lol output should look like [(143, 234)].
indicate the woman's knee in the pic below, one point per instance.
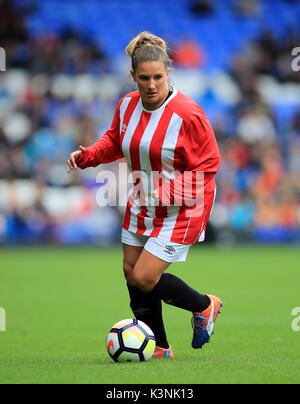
[(143, 281), (134, 277), (148, 271), (128, 272), (130, 258)]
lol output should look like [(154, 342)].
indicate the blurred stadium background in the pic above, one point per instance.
[(66, 70)]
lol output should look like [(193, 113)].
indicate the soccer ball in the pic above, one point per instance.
[(130, 341)]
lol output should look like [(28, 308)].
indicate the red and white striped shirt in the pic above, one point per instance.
[(177, 137)]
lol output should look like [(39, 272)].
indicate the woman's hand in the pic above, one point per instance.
[(73, 157)]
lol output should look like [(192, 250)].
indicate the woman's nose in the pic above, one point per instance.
[(151, 85)]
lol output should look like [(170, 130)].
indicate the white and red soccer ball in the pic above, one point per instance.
[(130, 341)]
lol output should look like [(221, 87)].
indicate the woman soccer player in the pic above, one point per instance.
[(160, 130)]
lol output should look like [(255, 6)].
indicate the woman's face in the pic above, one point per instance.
[(152, 82)]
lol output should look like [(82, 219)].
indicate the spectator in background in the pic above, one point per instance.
[(272, 171), (11, 23), (268, 55), (248, 8), (188, 54), (28, 222), (202, 7), (296, 125), (256, 126), (68, 53)]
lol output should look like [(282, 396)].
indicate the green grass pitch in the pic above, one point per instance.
[(60, 304)]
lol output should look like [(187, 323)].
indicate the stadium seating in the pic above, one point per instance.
[(57, 207), (221, 33)]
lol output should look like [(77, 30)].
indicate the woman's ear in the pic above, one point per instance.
[(168, 72), (132, 75)]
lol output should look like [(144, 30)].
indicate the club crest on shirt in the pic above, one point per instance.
[(124, 128)]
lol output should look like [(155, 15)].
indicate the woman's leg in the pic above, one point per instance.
[(149, 275), (145, 307)]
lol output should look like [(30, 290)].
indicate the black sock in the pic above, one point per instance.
[(175, 292), (148, 308)]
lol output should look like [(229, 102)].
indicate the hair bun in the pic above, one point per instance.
[(147, 47), (145, 39)]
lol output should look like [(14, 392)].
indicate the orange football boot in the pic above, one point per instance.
[(203, 323), (163, 352)]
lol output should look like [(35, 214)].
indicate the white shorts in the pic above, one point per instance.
[(165, 250)]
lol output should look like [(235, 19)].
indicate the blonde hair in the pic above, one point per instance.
[(147, 47)]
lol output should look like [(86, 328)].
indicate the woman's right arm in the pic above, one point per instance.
[(72, 162), (106, 150)]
